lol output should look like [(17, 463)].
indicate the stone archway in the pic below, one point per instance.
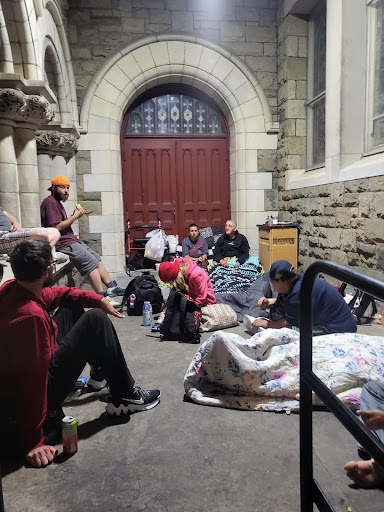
[(174, 58)]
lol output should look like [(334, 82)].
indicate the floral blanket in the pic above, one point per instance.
[(262, 372)]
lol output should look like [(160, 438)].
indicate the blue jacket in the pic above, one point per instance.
[(329, 308)]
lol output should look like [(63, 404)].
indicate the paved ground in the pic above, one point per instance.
[(182, 457)]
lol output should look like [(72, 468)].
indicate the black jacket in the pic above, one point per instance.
[(227, 247)]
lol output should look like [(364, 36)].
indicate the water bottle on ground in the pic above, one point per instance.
[(147, 314)]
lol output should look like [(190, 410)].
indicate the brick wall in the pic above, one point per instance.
[(342, 222), (247, 28)]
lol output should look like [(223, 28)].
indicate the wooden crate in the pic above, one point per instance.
[(277, 243)]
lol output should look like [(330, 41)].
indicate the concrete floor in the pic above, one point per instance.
[(183, 457)]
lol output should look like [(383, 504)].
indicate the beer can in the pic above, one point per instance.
[(70, 440)]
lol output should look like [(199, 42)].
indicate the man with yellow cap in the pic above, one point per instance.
[(85, 259)]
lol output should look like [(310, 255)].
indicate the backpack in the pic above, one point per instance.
[(360, 303), (143, 288), (182, 320)]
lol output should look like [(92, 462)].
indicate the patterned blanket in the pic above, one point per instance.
[(234, 280), (262, 372)]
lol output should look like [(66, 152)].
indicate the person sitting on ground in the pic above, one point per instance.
[(187, 277), (195, 247), (85, 259), (368, 473), (330, 312), (36, 374), (11, 234), (263, 288), (231, 245)]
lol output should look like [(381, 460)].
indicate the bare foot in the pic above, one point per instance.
[(365, 473)]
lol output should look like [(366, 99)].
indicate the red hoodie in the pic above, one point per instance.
[(27, 344)]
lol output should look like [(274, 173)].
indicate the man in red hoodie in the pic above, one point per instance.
[(36, 373)]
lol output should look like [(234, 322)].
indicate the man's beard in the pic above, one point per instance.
[(60, 197)]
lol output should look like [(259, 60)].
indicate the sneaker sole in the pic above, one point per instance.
[(125, 409)]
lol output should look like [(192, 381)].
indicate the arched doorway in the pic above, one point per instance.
[(175, 160)]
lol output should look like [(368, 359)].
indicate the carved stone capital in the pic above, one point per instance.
[(26, 108), (53, 142)]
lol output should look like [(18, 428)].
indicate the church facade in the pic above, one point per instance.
[(257, 106)]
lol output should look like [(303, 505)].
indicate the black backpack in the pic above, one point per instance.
[(359, 304), (144, 288), (182, 320)]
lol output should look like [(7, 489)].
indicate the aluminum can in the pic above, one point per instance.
[(69, 430)]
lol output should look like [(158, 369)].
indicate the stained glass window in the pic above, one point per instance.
[(316, 90), (174, 114), (377, 78)]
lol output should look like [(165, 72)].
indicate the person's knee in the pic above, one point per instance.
[(50, 235), (95, 314), (373, 388)]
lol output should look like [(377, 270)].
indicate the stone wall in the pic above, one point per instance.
[(247, 28), (342, 222)]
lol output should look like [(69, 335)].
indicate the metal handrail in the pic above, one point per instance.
[(310, 491)]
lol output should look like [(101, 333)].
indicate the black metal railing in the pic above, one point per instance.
[(310, 491)]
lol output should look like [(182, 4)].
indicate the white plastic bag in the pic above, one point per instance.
[(173, 241), (154, 248), (151, 233)]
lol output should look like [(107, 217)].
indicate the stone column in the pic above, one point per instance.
[(9, 184), (25, 146), (20, 116)]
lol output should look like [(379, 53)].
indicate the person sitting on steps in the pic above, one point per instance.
[(37, 373), (85, 259)]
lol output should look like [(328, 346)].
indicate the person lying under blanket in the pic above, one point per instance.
[(330, 312)]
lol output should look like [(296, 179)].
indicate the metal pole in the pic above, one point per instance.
[(306, 427)]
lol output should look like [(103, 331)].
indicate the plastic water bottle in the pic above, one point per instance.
[(132, 298), (147, 314)]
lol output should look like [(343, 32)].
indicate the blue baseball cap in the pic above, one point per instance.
[(282, 269)]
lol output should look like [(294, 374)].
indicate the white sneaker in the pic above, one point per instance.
[(59, 257), (113, 302), (248, 321), (96, 385)]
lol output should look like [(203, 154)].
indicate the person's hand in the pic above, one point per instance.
[(263, 303), (373, 419), (42, 456), (203, 257), (15, 226), (78, 212), (237, 264), (109, 309), (224, 263), (260, 322)]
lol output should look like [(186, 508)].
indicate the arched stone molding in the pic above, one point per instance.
[(6, 59), (175, 58), (51, 24), (20, 19), (59, 80)]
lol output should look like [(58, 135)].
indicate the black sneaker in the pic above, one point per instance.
[(138, 400)]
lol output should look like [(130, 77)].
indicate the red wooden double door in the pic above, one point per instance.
[(179, 180)]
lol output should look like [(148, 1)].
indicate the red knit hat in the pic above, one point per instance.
[(168, 271)]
